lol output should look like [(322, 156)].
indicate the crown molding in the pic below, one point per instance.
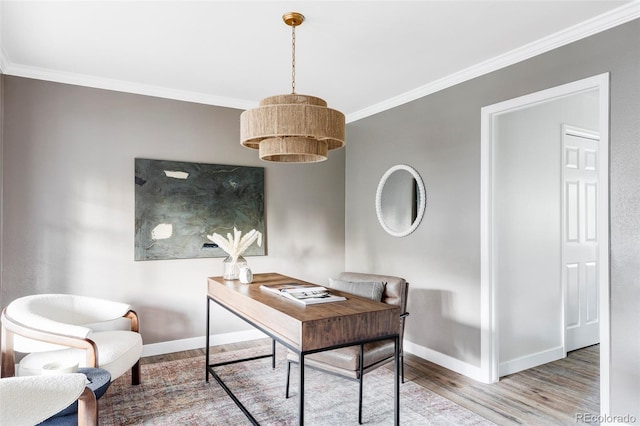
[(592, 26), (600, 23), (125, 86)]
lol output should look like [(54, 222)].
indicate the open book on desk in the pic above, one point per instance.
[(306, 294)]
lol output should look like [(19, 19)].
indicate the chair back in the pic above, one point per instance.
[(395, 292), (61, 314), (43, 310)]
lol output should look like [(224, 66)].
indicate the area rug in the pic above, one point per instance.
[(176, 393)]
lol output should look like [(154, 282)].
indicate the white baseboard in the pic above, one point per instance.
[(530, 361), (200, 342), (446, 361)]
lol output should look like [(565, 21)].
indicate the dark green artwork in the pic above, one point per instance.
[(178, 204)]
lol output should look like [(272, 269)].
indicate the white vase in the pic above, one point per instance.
[(231, 269), (246, 276)]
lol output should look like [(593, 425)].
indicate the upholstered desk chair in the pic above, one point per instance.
[(31, 400), (64, 327), (346, 361)]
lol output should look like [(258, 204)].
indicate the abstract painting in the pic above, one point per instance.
[(177, 204)]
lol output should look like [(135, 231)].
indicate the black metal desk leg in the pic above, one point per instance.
[(206, 365), (396, 381), (273, 352), (301, 390)]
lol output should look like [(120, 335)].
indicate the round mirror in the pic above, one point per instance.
[(400, 200)]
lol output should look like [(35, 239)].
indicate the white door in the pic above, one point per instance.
[(580, 243)]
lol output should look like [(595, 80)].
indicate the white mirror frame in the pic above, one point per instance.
[(422, 200)]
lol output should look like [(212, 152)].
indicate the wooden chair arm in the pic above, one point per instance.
[(135, 321), (49, 337), (11, 328)]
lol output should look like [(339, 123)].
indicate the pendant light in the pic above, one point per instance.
[(292, 128)]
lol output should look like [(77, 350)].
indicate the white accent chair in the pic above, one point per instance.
[(30, 400), (65, 327)]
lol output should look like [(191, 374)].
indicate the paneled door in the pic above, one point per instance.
[(580, 242)]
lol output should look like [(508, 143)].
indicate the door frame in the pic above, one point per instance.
[(489, 339)]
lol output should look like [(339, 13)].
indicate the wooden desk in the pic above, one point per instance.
[(304, 329)]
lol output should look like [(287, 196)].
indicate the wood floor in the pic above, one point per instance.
[(552, 394)]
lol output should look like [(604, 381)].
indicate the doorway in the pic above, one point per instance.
[(524, 312)]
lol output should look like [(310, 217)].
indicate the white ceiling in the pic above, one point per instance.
[(360, 56)]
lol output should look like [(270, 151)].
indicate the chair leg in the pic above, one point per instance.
[(361, 374), (8, 366), (360, 402), (135, 374), (286, 388), (402, 366), (87, 408)]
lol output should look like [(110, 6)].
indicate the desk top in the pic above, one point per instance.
[(305, 328)]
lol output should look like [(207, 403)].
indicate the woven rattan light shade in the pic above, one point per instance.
[(292, 128)]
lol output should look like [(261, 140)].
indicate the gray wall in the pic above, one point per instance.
[(68, 212), (439, 135)]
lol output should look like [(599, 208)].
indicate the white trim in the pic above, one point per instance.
[(125, 86), (445, 361), (200, 342), (605, 319), (532, 360), (488, 325), (546, 95), (489, 308), (568, 129), (613, 18)]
